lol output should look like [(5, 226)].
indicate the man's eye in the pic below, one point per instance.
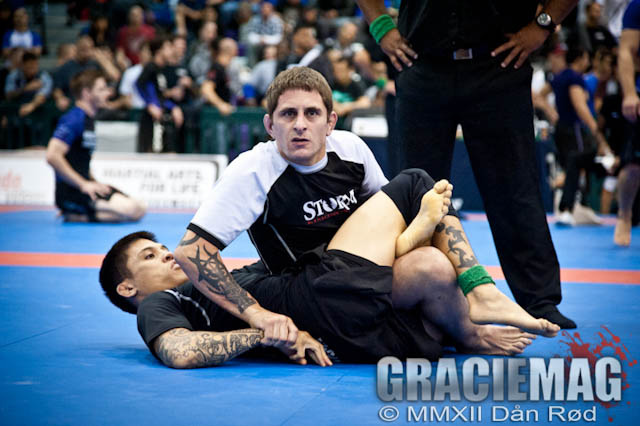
[(289, 113), (312, 113), (149, 256)]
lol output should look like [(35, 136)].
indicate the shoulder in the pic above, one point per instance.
[(74, 117), (70, 125), (347, 145), (36, 38), (263, 162)]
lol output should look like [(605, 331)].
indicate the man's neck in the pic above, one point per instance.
[(576, 68), (86, 107)]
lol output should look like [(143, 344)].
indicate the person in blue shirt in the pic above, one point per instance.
[(21, 35), (629, 178), (577, 136), (79, 196)]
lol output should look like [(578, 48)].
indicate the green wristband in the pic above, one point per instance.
[(381, 26), (473, 277)]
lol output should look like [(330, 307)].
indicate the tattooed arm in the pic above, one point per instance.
[(201, 261), (449, 237), (182, 348)]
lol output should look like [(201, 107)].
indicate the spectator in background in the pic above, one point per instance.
[(127, 88), (349, 46), (348, 88), (592, 34), (21, 35), (335, 8), (263, 29), (215, 89), (179, 83), (200, 57), (131, 37), (263, 73), (65, 53), (291, 11), (6, 21), (307, 51), (152, 86), (161, 15), (28, 85), (598, 78), (100, 32), (189, 15), (87, 57), (378, 91), (14, 62), (577, 145)]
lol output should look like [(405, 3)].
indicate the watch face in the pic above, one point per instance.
[(544, 19)]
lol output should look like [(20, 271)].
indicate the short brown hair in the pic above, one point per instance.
[(301, 78), (84, 80)]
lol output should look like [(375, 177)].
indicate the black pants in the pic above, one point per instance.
[(493, 106), (576, 152)]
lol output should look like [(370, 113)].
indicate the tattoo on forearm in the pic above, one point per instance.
[(188, 349), (454, 237), (218, 280), (184, 242)]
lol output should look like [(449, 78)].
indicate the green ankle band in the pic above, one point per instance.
[(473, 277), (381, 26)]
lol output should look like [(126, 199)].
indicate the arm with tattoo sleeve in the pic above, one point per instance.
[(201, 261), (182, 348)]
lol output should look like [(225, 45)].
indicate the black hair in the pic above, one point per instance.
[(156, 44), (28, 56), (114, 269), (575, 53)]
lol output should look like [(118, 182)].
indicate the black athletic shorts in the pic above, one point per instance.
[(344, 301), (71, 201)]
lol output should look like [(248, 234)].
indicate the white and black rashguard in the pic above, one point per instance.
[(288, 209)]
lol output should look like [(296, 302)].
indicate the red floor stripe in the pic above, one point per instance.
[(73, 260)]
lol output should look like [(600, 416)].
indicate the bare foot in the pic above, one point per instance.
[(433, 206), (622, 234), (489, 305), (497, 340)]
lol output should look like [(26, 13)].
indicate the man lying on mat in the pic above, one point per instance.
[(293, 193), (343, 294)]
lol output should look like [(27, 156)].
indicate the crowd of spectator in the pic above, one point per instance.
[(216, 53), (577, 92), (170, 58)]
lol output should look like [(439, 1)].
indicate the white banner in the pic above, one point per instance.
[(26, 180), (161, 180)]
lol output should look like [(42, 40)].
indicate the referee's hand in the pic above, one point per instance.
[(398, 49)]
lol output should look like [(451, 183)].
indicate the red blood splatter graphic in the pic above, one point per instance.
[(580, 349)]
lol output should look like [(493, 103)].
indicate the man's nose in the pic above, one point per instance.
[(300, 124), (168, 256)]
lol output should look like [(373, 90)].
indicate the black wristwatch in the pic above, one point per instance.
[(545, 22)]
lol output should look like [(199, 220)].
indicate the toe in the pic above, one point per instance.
[(441, 186)]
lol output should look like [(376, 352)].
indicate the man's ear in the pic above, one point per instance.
[(268, 124), (126, 289), (332, 120)]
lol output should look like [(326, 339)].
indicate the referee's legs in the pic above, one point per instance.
[(499, 137)]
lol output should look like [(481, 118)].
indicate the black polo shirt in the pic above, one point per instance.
[(440, 26)]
